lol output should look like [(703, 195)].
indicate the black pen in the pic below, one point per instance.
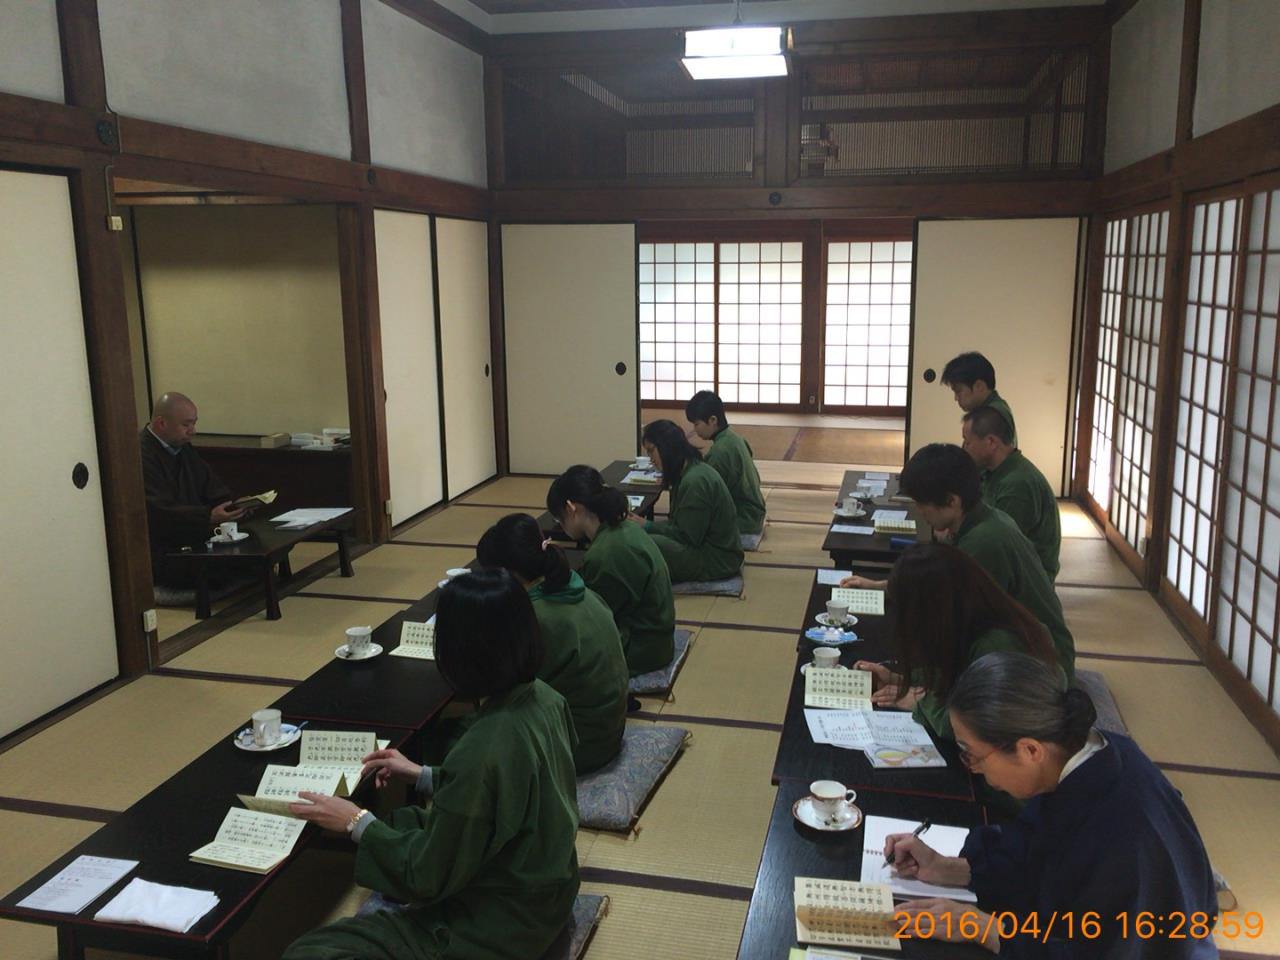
[(888, 861)]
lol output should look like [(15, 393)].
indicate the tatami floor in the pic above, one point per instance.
[(679, 887)]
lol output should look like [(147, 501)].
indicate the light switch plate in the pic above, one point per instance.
[(149, 620)]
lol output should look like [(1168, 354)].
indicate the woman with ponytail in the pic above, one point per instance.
[(622, 564), (1103, 837), (582, 653)]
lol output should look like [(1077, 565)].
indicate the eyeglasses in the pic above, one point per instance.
[(969, 760)]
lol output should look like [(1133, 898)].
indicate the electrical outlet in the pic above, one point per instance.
[(115, 224), (149, 620)]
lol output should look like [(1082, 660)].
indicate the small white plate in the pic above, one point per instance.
[(804, 667), (849, 819), (343, 654), (240, 535), (824, 620), (441, 584), (288, 734), (844, 514)]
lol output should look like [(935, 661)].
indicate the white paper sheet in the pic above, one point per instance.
[(78, 884), (642, 477), (309, 515), (876, 476), (158, 905), (890, 515), (948, 841), (873, 488), (634, 500), (853, 529), (831, 578)]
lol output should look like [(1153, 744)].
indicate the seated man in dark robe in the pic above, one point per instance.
[(185, 499)]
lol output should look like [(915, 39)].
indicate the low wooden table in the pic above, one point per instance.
[(848, 548), (267, 548), (612, 475)]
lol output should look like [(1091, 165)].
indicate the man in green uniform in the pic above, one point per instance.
[(731, 457), (943, 481), (972, 380), (1012, 483)]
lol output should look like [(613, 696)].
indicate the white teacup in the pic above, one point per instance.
[(226, 531), (831, 799), (851, 504), (266, 727), (358, 640), (825, 657), (837, 612), (456, 572), (643, 463)]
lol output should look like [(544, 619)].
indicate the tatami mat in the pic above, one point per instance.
[(460, 525), (1076, 523), (767, 443), (119, 748), (29, 844), (1229, 810), (401, 571), (736, 674), (827, 445), (1128, 622), (692, 608), (528, 492), (794, 543), (774, 598), (1180, 714), (811, 506), (708, 818), (1093, 562), (788, 471), (658, 925), (294, 647)]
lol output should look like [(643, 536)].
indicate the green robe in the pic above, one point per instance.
[(700, 540), (1019, 489), (995, 400), (992, 538), (582, 660), (627, 569), (490, 868), (931, 709), (732, 458)]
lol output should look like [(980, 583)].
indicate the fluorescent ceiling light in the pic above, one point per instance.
[(734, 52)]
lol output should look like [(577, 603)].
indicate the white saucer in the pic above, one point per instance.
[(240, 535), (846, 515), (441, 584), (804, 811), (288, 734), (824, 620), (374, 649), (804, 667)]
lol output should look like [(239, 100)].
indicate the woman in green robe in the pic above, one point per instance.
[(489, 871), (622, 564), (699, 539), (582, 657)]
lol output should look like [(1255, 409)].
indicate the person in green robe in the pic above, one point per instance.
[(622, 564), (1012, 483), (972, 380), (731, 457), (700, 537), (582, 657), (489, 871)]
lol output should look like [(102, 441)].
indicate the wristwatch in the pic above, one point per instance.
[(355, 818)]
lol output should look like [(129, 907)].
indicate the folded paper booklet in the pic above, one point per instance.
[(340, 750), (893, 521), (257, 500), (862, 602), (889, 738), (948, 841), (825, 953), (837, 689), (280, 786), (844, 913), (417, 639), (251, 841), (642, 477), (634, 500)]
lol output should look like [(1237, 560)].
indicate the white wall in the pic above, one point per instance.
[(426, 98), (265, 71), (30, 58), (1239, 61), (1142, 96)]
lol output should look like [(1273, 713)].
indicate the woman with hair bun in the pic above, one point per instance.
[(1104, 837), (622, 564)]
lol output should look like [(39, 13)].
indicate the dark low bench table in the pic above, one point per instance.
[(849, 548)]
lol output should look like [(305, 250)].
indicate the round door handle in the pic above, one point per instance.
[(620, 368), (930, 375), (80, 476)]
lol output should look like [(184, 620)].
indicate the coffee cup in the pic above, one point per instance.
[(851, 504), (837, 611), (643, 462), (358, 640), (226, 531), (831, 799), (456, 572), (266, 727), (825, 657)]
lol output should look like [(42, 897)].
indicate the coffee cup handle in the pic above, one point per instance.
[(850, 796)]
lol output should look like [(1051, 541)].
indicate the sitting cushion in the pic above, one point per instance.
[(186, 596), (613, 796), (588, 909), (728, 587), (751, 541), (660, 681), (1108, 713)]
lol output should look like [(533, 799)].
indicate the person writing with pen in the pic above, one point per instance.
[(1102, 840)]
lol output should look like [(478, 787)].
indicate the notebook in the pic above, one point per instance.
[(844, 913), (948, 841)]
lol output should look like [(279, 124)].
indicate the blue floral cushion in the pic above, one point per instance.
[(751, 541), (1108, 713), (613, 796), (728, 587), (660, 681)]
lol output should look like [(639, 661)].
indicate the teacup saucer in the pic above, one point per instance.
[(830, 637), (824, 620), (240, 535), (850, 816), (289, 733), (342, 653), (844, 514), (804, 667)]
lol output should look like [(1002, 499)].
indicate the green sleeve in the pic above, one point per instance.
[(664, 527), (930, 712), (692, 521), (412, 817), (424, 864), (615, 590)]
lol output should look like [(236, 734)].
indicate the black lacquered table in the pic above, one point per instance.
[(848, 548)]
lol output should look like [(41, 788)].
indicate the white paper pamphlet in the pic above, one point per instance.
[(280, 786), (417, 639), (837, 689), (875, 476), (343, 750), (889, 738), (305, 516), (888, 515), (77, 884), (831, 578), (948, 841), (844, 913), (852, 529), (251, 841), (860, 601), (642, 478)]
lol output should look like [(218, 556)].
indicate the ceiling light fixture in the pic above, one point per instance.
[(734, 52)]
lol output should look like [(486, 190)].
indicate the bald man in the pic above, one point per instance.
[(185, 499)]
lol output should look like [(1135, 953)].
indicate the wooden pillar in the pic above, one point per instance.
[(498, 351), (353, 64)]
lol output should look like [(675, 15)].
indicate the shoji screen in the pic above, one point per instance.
[(1104, 390), (409, 363), (1246, 615)]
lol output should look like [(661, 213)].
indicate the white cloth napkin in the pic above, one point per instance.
[(156, 905)]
